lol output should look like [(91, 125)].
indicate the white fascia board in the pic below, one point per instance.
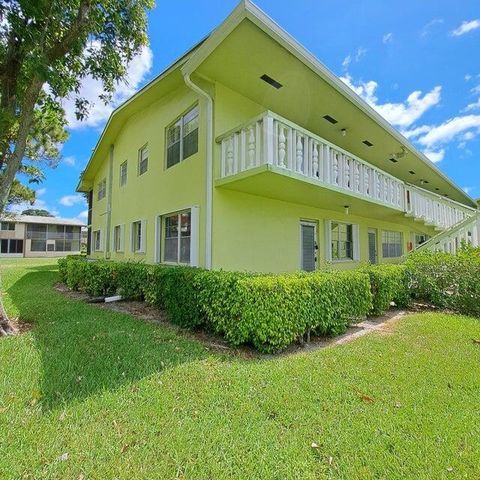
[(248, 10)]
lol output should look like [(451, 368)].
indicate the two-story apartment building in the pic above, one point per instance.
[(35, 236), (249, 154)]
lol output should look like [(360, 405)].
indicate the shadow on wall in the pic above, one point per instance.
[(85, 349)]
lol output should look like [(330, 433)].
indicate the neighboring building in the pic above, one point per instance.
[(248, 154), (32, 236)]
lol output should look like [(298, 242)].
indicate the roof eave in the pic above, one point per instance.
[(247, 10)]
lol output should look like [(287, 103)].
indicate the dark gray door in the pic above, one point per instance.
[(372, 245), (308, 246)]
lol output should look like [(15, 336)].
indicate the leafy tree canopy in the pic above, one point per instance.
[(46, 49), (38, 212)]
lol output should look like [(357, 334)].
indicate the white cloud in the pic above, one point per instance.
[(465, 27), (435, 156), (467, 190), (40, 192), (70, 161), (415, 132), (39, 204), (347, 61), (428, 26), (71, 200), (464, 127), (83, 215), (467, 77), (387, 38), (475, 89), (356, 57), (401, 114), (91, 90)]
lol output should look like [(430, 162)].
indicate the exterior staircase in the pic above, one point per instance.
[(451, 239)]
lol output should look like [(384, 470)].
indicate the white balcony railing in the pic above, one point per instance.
[(272, 140)]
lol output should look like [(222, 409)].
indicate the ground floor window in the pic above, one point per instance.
[(11, 246), (176, 237), (138, 235), (97, 240), (118, 238), (38, 245), (392, 244), (341, 235), (420, 239)]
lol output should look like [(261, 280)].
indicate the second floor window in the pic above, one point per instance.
[(123, 174), (102, 189), (182, 138), (143, 160), (8, 226)]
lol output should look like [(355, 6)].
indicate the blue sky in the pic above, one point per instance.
[(417, 62)]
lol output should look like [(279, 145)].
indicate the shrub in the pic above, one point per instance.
[(388, 283), (268, 311), (217, 297), (446, 280), (272, 311), (175, 289), (131, 279)]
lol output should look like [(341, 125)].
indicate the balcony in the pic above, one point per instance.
[(270, 143)]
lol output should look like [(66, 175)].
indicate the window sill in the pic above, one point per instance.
[(345, 260)]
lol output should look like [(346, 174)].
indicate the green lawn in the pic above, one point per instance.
[(130, 400)]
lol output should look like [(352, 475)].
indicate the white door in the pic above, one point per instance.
[(308, 245)]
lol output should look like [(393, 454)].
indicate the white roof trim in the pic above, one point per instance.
[(248, 10), (40, 220)]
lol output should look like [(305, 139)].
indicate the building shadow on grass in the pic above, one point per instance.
[(85, 349)]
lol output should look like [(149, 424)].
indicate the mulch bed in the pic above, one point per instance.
[(383, 325)]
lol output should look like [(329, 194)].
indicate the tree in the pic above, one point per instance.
[(46, 49), (39, 212)]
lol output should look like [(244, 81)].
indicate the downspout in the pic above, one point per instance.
[(209, 179), (109, 203)]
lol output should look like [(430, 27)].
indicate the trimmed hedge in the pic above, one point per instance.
[(446, 280), (267, 311), (389, 284)]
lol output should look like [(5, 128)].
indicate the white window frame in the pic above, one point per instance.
[(142, 159), (102, 189), (182, 125), (355, 242), (194, 236), (118, 238), (8, 229), (123, 168), (140, 246), (94, 240), (389, 232)]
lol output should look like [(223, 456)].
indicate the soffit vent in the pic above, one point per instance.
[(411, 172), (367, 143), (271, 81), (330, 119), (393, 160)]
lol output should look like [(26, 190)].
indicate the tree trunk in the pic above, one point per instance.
[(15, 159)]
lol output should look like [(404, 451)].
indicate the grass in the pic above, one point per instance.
[(128, 399)]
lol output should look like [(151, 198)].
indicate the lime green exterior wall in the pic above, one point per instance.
[(158, 191), (249, 232), (261, 234)]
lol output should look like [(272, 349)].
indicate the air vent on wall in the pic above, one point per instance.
[(330, 119), (367, 143), (393, 160), (271, 81), (411, 172)]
